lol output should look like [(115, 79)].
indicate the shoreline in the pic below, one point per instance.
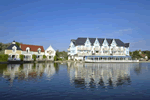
[(21, 62)]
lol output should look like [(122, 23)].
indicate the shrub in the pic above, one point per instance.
[(3, 57), (34, 57), (44, 56), (55, 58), (21, 57)]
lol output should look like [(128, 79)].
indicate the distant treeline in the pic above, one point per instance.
[(136, 54), (61, 55)]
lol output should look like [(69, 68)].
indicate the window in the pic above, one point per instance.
[(27, 49), (14, 49), (39, 50)]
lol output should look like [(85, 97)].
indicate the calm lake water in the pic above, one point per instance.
[(83, 81)]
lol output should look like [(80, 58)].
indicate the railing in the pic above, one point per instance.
[(112, 60), (13, 59), (97, 48), (118, 54), (84, 48), (28, 59), (39, 59), (106, 49), (84, 54)]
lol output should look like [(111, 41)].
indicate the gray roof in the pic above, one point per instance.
[(10, 47), (81, 41), (126, 44)]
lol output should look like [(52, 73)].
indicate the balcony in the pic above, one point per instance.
[(118, 53), (28, 59), (84, 54), (97, 48), (120, 49), (84, 48), (106, 49)]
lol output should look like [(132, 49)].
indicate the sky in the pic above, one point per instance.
[(56, 22)]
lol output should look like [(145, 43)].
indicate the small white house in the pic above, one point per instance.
[(50, 53)]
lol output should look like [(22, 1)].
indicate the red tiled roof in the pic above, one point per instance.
[(32, 47), (143, 55)]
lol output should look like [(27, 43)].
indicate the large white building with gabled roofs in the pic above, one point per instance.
[(50, 53), (99, 48)]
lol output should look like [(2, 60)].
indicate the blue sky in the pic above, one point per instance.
[(56, 22)]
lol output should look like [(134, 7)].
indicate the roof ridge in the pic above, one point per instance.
[(32, 45)]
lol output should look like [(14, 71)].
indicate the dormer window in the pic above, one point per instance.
[(28, 49), (39, 50), (14, 49)]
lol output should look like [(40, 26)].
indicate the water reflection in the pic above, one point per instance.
[(29, 71), (93, 75)]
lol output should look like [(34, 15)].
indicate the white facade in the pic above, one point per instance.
[(50, 53), (77, 52)]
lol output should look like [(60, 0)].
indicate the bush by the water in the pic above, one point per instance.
[(34, 57), (44, 56), (3, 57), (21, 57)]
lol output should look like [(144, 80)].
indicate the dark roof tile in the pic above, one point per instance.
[(10, 47), (81, 41)]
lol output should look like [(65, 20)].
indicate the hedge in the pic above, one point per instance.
[(21, 57), (3, 57), (34, 57), (44, 56), (55, 58)]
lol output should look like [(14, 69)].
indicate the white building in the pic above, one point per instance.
[(98, 48), (50, 53)]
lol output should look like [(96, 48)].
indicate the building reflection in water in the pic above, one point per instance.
[(93, 75), (29, 71)]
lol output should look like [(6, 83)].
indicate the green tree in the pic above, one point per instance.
[(55, 58), (34, 57), (21, 57), (44, 56), (3, 57), (18, 44), (136, 55)]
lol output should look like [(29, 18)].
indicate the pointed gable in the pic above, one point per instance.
[(87, 42), (105, 43), (96, 43), (72, 44), (113, 43), (50, 48)]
